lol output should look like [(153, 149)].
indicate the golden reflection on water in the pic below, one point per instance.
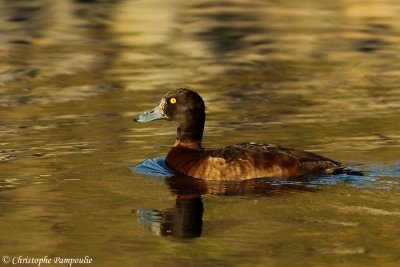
[(314, 75)]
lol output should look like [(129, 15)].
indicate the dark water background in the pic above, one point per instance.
[(317, 75)]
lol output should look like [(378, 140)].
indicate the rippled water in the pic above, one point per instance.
[(313, 75)]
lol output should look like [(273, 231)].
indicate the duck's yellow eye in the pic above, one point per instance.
[(172, 100)]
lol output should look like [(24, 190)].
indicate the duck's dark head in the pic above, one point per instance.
[(186, 108)]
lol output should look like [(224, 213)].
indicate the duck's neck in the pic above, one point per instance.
[(190, 131)]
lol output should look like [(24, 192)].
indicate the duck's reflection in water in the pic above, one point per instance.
[(184, 220)]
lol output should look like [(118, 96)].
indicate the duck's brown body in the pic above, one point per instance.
[(246, 161), (237, 162)]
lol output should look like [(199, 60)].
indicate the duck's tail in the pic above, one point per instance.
[(347, 170)]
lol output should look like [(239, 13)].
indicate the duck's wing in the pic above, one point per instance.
[(311, 163), (249, 150), (267, 160)]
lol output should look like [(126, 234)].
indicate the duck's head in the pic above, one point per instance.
[(184, 107), (178, 105)]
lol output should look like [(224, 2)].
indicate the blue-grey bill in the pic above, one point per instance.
[(151, 115)]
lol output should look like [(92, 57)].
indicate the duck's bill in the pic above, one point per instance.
[(151, 115)]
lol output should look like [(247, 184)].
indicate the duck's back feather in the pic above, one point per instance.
[(248, 160)]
